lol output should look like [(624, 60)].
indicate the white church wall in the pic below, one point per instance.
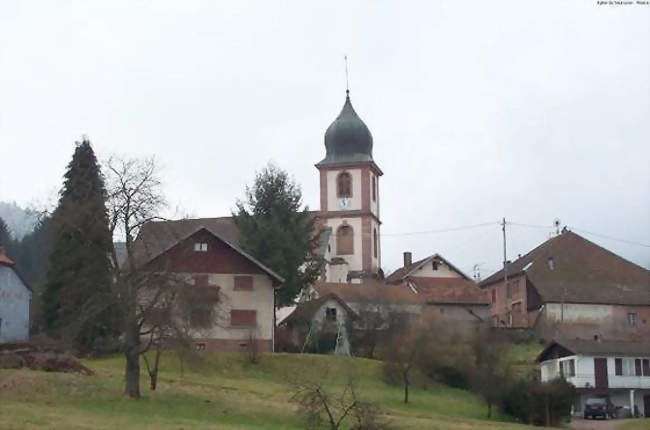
[(332, 198), (355, 261)]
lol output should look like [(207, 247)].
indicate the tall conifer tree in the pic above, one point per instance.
[(275, 229), (78, 282)]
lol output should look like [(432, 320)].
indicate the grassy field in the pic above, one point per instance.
[(223, 391)]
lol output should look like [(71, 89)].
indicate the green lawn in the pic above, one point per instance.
[(223, 391)]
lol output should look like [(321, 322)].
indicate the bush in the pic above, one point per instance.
[(533, 402), (516, 401)]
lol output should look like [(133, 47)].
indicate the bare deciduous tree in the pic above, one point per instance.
[(321, 407), (135, 198)]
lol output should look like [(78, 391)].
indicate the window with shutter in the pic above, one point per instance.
[(243, 318), (646, 367), (637, 367), (200, 316), (200, 280), (618, 366), (244, 283)]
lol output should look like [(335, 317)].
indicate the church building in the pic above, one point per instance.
[(349, 201)]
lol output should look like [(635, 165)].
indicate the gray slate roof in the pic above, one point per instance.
[(347, 139)]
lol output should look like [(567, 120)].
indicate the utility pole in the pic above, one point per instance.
[(505, 269), (505, 259)]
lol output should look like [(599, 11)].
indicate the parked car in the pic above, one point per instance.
[(599, 407)]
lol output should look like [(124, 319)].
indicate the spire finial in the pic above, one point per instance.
[(347, 82)]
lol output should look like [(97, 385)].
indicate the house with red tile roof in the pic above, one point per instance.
[(570, 287)]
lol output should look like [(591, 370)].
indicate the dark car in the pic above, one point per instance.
[(596, 407)]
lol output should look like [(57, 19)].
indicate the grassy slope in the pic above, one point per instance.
[(222, 392)]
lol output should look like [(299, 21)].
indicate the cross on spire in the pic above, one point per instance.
[(347, 81)]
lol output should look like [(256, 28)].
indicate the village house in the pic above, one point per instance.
[(15, 297), (618, 370), (205, 252), (570, 287), (328, 315), (444, 289)]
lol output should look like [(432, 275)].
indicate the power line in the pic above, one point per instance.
[(545, 227), (631, 242), (444, 230)]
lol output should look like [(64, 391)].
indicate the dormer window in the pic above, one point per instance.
[(200, 246)]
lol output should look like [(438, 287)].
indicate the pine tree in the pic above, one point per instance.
[(77, 296), (275, 230), (5, 235)]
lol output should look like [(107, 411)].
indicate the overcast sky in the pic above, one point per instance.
[(530, 110)]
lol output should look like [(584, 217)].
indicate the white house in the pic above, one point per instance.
[(15, 296), (619, 370)]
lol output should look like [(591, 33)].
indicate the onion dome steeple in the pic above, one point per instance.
[(347, 139)]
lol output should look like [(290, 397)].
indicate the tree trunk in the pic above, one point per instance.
[(406, 388), (132, 355), (154, 374)]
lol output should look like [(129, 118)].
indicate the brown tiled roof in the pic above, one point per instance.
[(583, 272), (592, 347), (4, 260), (305, 311), (157, 237), (403, 272), (450, 291), (370, 291), (161, 235)]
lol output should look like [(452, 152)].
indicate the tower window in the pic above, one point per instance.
[(345, 240), (344, 185), (374, 241), (374, 189)]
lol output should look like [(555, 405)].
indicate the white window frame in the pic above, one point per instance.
[(200, 247), (566, 368), (631, 319), (627, 367)]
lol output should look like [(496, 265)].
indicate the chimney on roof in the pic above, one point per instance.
[(408, 259)]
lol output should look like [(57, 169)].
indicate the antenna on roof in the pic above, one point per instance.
[(556, 223), (347, 80)]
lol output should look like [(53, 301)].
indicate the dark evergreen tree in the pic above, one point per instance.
[(77, 295), (5, 235), (31, 259), (277, 231)]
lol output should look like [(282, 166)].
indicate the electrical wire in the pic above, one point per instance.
[(444, 230), (631, 242)]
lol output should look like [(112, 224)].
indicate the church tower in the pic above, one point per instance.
[(349, 199)]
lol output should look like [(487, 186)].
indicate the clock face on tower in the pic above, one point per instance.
[(344, 203)]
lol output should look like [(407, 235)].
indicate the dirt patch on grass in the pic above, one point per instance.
[(18, 356)]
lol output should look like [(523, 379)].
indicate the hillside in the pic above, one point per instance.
[(20, 221), (221, 392)]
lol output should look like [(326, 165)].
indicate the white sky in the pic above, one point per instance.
[(479, 109)]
